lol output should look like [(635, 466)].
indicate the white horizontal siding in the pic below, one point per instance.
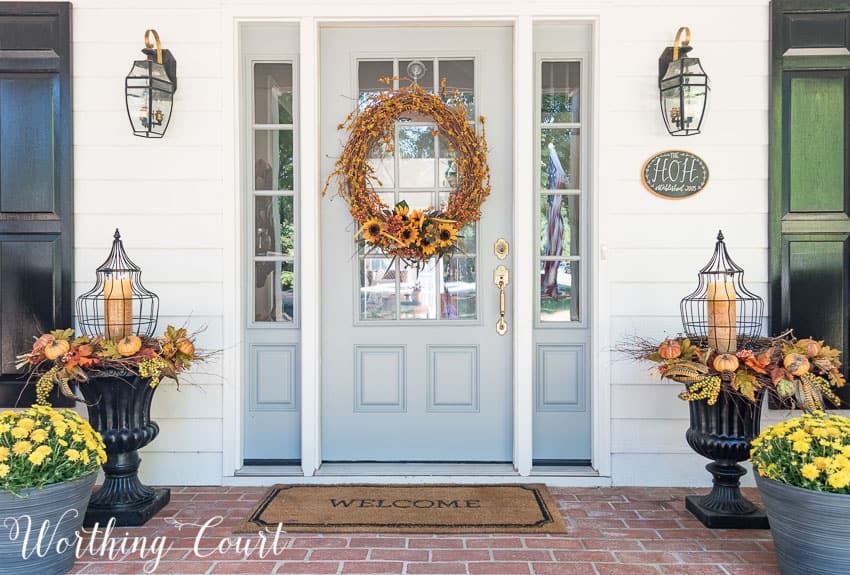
[(168, 196)]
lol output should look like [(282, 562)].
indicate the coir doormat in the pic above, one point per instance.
[(406, 509)]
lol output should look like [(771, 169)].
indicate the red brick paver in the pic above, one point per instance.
[(612, 531)]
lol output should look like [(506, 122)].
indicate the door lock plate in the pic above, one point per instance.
[(502, 248), (501, 276)]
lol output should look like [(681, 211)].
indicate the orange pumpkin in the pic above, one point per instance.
[(56, 349), (797, 364), (725, 362), (129, 345), (809, 346), (670, 349), (185, 346)]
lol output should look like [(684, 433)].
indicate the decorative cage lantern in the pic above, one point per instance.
[(722, 312), (149, 90), (118, 305), (684, 88)]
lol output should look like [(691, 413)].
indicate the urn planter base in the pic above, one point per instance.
[(130, 515), (119, 408), (723, 432)]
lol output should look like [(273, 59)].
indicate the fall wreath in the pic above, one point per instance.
[(413, 236)]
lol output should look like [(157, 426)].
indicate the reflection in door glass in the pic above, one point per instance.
[(377, 288), (273, 291), (272, 93), (559, 224), (559, 291), (415, 173), (459, 295), (560, 97)]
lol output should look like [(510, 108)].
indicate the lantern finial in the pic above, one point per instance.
[(720, 235), (117, 234)]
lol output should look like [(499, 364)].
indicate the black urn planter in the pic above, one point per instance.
[(119, 407), (723, 432)]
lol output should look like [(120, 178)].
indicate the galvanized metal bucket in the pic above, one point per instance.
[(56, 513), (809, 528)]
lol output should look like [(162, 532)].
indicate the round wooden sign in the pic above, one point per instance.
[(674, 174)]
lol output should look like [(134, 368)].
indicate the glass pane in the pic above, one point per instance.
[(559, 98), (459, 295), (377, 288), (418, 293), (273, 93), (418, 200), (448, 166), (369, 83), (381, 160), (426, 80), (416, 156), (559, 158), (137, 103), (460, 77), (559, 225), (467, 235), (273, 160), (274, 290), (559, 291), (275, 225)]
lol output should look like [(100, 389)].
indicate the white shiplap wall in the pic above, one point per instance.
[(170, 197)]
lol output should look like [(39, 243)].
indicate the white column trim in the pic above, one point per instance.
[(523, 260), (310, 256), (231, 259)]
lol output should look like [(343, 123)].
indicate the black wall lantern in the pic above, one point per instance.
[(149, 89), (684, 87)]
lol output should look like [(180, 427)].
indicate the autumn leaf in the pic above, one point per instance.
[(62, 333), (82, 340), (745, 384), (108, 349)]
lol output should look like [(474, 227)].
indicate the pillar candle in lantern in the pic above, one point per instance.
[(117, 308), (721, 317)]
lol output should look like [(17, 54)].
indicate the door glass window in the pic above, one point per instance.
[(274, 186), (420, 170), (560, 197)]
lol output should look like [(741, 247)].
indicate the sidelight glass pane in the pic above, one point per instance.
[(274, 289), (369, 76), (458, 299), (560, 156), (274, 220), (559, 225), (273, 160), (560, 85), (377, 288), (460, 76), (415, 156), (273, 93), (559, 291)]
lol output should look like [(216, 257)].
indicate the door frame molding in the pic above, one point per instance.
[(311, 19)]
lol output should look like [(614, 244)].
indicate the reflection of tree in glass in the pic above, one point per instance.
[(287, 236), (416, 142), (285, 171), (555, 106)]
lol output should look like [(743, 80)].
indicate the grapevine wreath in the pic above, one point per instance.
[(413, 236)]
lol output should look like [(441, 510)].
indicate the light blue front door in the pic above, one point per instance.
[(412, 366)]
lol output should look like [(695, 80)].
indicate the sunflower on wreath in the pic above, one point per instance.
[(413, 236)]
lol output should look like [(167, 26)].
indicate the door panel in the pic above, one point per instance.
[(413, 369)]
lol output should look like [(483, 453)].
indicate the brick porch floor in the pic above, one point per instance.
[(612, 531)]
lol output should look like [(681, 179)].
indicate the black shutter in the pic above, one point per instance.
[(36, 182), (809, 179)]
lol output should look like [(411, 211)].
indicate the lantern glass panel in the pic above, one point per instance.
[(137, 108), (160, 113)]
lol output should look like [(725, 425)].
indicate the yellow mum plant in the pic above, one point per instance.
[(42, 445), (811, 451)]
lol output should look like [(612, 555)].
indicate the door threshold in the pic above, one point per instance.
[(270, 471), (416, 469), (563, 471)]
